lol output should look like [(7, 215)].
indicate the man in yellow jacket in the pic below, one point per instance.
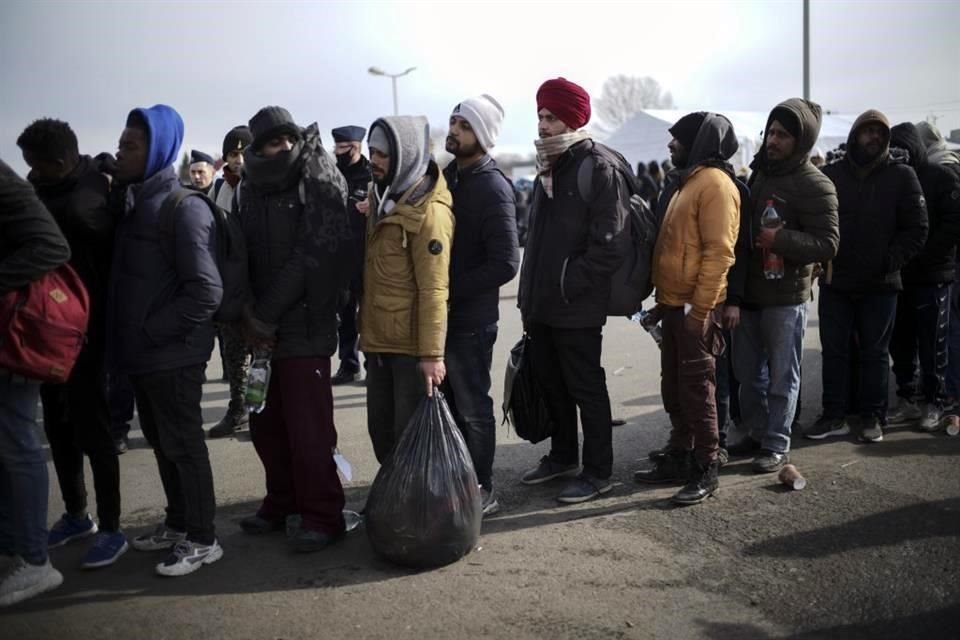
[(693, 254), (406, 277)]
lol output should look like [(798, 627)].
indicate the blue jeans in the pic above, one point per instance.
[(767, 349), (870, 317), (920, 333), (469, 356), (24, 482)]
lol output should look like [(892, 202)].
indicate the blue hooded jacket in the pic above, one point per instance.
[(164, 136), (161, 309)]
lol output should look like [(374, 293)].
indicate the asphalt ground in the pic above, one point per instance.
[(870, 549)]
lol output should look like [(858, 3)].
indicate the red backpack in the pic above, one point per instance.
[(43, 326)]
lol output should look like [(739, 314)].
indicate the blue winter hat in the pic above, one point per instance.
[(164, 128)]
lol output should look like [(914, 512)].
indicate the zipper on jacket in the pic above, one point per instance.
[(563, 274)]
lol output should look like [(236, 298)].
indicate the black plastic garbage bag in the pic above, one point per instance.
[(523, 404), (424, 506)]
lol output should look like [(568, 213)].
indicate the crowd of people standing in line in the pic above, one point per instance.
[(401, 259)]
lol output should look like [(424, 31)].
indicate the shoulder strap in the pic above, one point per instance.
[(585, 171)]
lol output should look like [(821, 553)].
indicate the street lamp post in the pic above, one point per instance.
[(377, 71)]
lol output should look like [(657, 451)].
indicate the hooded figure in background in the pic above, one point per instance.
[(936, 146), (921, 328), (694, 252), (406, 276), (883, 226)]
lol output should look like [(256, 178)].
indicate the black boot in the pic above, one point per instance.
[(229, 424), (703, 484), (672, 468)]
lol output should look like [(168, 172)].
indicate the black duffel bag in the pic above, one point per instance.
[(523, 403)]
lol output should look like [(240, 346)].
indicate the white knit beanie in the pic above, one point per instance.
[(485, 115)]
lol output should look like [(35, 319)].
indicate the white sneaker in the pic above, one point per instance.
[(23, 580), (188, 556), (161, 538), (906, 411), (930, 420)]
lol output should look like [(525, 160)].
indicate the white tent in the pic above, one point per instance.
[(644, 137)]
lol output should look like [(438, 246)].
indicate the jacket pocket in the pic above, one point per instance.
[(393, 323)]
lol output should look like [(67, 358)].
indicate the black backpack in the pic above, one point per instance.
[(231, 251), (632, 282)]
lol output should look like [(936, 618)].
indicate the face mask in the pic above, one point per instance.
[(343, 160)]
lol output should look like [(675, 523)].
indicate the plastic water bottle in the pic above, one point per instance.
[(258, 381), (645, 319), (772, 262)]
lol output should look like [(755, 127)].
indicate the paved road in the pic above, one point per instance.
[(871, 549)]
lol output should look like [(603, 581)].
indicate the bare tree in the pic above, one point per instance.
[(623, 97)]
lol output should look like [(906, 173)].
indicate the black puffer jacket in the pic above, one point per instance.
[(883, 219), (31, 244), (160, 315), (79, 205), (485, 252), (570, 255), (806, 201), (299, 244), (936, 264)]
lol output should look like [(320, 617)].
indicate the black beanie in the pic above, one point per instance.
[(237, 139), (269, 122), (686, 128), (787, 119)]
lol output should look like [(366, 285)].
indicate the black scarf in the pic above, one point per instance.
[(274, 173)]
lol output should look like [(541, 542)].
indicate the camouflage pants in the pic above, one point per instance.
[(235, 365)]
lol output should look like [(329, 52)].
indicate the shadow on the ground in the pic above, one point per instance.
[(940, 624), (889, 528)]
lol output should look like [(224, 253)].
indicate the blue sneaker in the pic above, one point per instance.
[(68, 528), (107, 547)]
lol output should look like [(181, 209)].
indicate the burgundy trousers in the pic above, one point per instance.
[(295, 437), (689, 383)]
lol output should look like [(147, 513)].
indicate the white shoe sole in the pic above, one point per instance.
[(186, 568), (108, 562), (54, 580)]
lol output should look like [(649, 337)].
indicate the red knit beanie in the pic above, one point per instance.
[(568, 101)]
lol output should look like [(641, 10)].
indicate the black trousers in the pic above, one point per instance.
[(172, 422), (566, 364), (76, 418)]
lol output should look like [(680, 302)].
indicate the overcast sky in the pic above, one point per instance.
[(217, 62)]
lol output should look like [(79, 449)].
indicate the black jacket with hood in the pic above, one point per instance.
[(487, 252), (31, 244), (293, 209), (936, 264), (806, 200), (570, 255), (883, 218)]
